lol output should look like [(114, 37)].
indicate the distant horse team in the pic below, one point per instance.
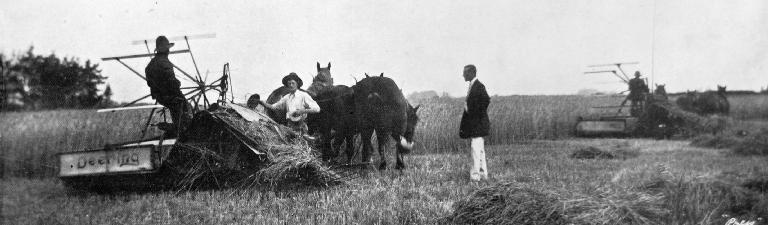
[(373, 104), (707, 103)]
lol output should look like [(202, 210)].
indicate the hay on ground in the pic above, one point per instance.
[(754, 144), (296, 163), (617, 206), (619, 151), (592, 152), (224, 149), (512, 203), (719, 141), (507, 203)]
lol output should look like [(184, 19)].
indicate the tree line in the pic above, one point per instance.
[(38, 82)]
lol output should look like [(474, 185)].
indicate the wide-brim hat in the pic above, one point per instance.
[(162, 43), (292, 76)]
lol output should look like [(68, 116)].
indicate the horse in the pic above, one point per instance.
[(336, 122), (713, 102), (322, 81), (381, 107), (706, 103), (685, 102)]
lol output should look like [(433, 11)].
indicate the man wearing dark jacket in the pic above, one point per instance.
[(637, 92), (474, 122), (164, 86)]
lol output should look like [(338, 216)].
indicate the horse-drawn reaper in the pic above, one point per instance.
[(224, 145)]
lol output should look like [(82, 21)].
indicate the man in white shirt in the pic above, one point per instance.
[(296, 103)]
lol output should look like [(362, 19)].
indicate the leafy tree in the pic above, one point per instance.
[(50, 82)]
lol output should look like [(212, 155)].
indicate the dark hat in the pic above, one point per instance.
[(637, 73), (162, 43), (292, 76)]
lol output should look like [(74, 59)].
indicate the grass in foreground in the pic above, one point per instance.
[(424, 194)]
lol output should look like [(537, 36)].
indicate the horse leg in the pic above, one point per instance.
[(400, 165), (327, 146), (350, 139), (365, 137), (383, 139)]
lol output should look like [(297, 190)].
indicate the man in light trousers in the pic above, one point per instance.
[(474, 122)]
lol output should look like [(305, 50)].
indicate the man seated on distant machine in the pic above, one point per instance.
[(165, 88), (296, 103), (637, 92)]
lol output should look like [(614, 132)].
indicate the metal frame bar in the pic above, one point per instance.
[(611, 71), (622, 71), (142, 55), (185, 74), (613, 64), (132, 70), (177, 38), (146, 125), (129, 108)]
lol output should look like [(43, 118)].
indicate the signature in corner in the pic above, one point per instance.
[(734, 221)]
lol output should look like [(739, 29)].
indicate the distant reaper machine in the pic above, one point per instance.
[(603, 120)]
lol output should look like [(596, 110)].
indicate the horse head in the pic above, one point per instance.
[(322, 81), (406, 141), (721, 90), (324, 71)]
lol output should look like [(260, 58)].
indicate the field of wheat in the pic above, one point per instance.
[(749, 107), (530, 144), (513, 119)]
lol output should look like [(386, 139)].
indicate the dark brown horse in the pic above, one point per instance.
[(713, 102), (336, 122), (685, 102), (381, 107)]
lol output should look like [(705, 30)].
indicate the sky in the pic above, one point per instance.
[(519, 47)]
